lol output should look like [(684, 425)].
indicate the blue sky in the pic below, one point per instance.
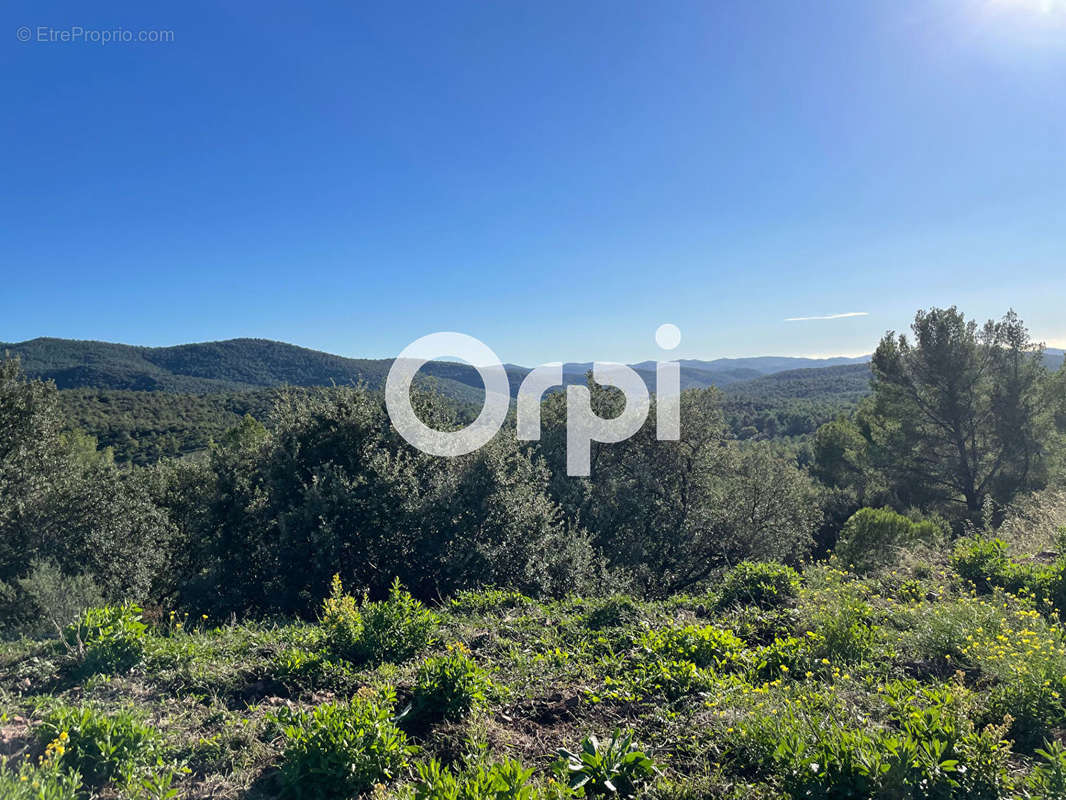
[(556, 179)]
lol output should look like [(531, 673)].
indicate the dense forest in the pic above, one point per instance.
[(842, 582)]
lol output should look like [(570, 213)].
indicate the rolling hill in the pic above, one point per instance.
[(242, 364), (149, 402)]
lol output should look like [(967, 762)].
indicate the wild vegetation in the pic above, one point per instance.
[(313, 609)]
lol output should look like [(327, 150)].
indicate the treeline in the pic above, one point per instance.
[(960, 421), (142, 427)]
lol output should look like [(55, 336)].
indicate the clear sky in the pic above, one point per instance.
[(555, 178)]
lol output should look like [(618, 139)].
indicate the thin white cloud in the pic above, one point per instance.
[(830, 316)]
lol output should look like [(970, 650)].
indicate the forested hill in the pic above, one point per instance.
[(233, 365), (846, 382), (241, 364)]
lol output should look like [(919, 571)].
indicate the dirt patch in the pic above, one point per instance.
[(15, 737)]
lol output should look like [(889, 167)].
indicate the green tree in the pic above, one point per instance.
[(959, 414), (670, 515), (64, 502)]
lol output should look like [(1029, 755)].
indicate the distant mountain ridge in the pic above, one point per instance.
[(242, 364)]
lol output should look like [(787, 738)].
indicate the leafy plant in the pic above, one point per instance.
[(108, 639), (1048, 778), (449, 686), (613, 612), (765, 584), (102, 748), (341, 621), (338, 750), (873, 537), (395, 629), (505, 781), (706, 646), (48, 780), (615, 768)]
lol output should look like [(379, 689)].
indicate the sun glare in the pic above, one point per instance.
[(1048, 9)]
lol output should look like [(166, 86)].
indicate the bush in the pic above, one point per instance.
[(1019, 655), (873, 537), (616, 768), (108, 639), (341, 621), (449, 687), (983, 561), (102, 748), (339, 750), (506, 781), (59, 599), (765, 584), (705, 647), (614, 612), (395, 629)]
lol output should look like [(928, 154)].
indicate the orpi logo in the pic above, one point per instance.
[(583, 425)]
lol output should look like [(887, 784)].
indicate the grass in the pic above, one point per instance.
[(842, 686)]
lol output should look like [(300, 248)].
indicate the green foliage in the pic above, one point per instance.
[(840, 623), (706, 646), (48, 780), (102, 748), (764, 584), (615, 768), (395, 629), (874, 537), (471, 600), (338, 750), (449, 687), (985, 562), (57, 598), (613, 612), (505, 781), (668, 517), (1048, 778), (934, 754), (108, 639), (342, 622), (959, 414)]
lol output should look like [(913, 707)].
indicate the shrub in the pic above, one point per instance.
[(449, 687), (616, 768), (765, 584), (395, 629), (505, 781), (59, 598), (311, 670), (931, 750), (705, 647), (873, 537), (784, 655), (108, 639), (613, 612), (983, 561), (341, 621), (338, 750), (1019, 655), (102, 748)]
